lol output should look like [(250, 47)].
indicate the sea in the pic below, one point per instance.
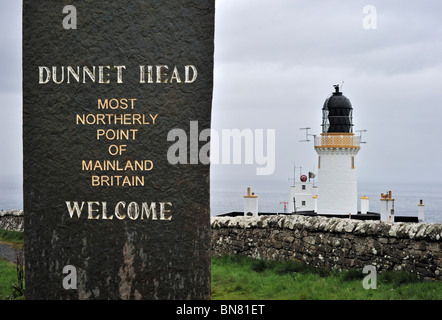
[(227, 196)]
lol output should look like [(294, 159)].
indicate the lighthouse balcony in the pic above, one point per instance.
[(337, 140)]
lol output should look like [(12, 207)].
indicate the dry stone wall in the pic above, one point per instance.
[(11, 220), (333, 242), (320, 241)]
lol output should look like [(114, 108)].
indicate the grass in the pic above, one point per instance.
[(9, 272), (8, 278), (13, 238), (241, 278)]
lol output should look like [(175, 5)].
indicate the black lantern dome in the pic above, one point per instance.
[(337, 114)]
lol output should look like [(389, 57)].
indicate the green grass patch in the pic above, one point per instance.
[(8, 278), (13, 238), (9, 273), (238, 278)]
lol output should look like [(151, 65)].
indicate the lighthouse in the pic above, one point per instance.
[(337, 147)]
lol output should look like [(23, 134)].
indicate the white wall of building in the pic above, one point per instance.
[(303, 193), (337, 181), (365, 206), (421, 212)]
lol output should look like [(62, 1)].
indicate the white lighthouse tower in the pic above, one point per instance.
[(337, 147)]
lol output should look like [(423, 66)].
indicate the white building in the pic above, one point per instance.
[(365, 204), (302, 196), (387, 207), (250, 204), (337, 147), (420, 212), (337, 191)]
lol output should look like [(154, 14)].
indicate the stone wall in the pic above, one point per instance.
[(11, 220), (333, 242)]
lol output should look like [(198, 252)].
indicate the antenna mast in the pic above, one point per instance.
[(294, 172), (360, 134), (306, 134)]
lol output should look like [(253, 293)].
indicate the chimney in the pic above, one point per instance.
[(364, 204), (250, 204), (387, 207), (420, 211)]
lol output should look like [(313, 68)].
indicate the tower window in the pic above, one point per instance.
[(303, 203), (303, 187), (352, 162)]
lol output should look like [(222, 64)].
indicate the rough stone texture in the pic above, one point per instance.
[(11, 220), (333, 242), (115, 259)]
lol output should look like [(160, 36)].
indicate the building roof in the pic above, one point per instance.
[(337, 113)]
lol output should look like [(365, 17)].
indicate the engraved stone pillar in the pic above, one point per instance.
[(107, 215)]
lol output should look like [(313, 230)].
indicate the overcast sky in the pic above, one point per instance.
[(275, 64)]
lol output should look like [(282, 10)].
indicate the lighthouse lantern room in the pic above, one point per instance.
[(337, 147)]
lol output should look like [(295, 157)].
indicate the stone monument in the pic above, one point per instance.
[(107, 216)]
